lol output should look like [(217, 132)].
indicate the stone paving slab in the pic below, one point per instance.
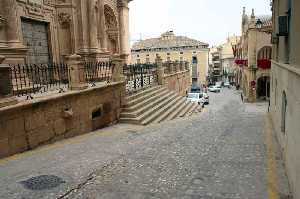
[(218, 154)]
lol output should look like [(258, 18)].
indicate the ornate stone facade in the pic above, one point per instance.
[(253, 57), (94, 29)]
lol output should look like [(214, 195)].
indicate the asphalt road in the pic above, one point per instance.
[(221, 153)]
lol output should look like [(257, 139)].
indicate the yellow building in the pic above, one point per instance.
[(174, 48)]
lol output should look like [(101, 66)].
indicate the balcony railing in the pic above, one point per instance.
[(29, 79), (98, 71), (139, 76)]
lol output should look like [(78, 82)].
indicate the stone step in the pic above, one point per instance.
[(179, 109), (145, 101), (193, 110), (162, 111), (186, 109), (142, 92), (148, 106), (170, 110), (149, 112), (147, 96)]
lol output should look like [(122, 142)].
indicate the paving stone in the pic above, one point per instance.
[(218, 154)]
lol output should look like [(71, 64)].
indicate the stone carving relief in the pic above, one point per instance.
[(35, 7), (61, 1), (64, 19), (2, 21), (110, 18)]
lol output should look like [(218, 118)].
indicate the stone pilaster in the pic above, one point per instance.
[(83, 27), (76, 73), (12, 24), (6, 95), (102, 35), (92, 26)]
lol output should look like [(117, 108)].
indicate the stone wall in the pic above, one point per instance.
[(29, 124), (179, 82), (286, 79)]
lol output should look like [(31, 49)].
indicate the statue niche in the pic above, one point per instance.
[(111, 30)]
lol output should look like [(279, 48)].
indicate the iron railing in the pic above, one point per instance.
[(98, 71), (29, 79), (139, 76)]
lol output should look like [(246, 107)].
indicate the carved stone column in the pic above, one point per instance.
[(102, 27), (124, 27), (12, 25), (92, 26), (82, 27)]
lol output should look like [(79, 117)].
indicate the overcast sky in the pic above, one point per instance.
[(209, 21)]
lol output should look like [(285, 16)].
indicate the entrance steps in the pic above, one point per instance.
[(155, 105)]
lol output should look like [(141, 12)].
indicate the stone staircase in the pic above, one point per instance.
[(155, 105)]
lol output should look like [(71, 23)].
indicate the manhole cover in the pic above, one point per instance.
[(42, 182)]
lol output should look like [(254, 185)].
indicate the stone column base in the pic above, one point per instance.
[(79, 87), (8, 101)]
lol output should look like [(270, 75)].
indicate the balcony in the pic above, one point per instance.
[(264, 64)]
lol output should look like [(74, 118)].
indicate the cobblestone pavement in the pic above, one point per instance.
[(218, 154)]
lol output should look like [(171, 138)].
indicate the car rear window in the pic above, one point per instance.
[(192, 95)]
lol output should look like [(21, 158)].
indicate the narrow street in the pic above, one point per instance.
[(223, 153)]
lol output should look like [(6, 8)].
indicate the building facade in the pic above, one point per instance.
[(227, 59), (285, 96), (253, 57), (174, 48), (43, 31), (215, 67)]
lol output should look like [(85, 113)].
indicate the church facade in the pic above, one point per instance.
[(43, 31)]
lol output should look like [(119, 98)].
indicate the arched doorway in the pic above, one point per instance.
[(111, 30), (263, 88)]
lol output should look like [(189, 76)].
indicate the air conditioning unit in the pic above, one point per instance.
[(283, 26)]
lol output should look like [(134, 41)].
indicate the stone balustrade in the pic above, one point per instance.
[(174, 75)]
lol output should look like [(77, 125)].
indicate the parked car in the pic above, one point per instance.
[(196, 89), (219, 84), (227, 84), (196, 97), (215, 89)]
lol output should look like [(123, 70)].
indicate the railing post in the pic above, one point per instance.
[(6, 87), (177, 66), (77, 79), (160, 71), (118, 64), (181, 64), (171, 67), (187, 65)]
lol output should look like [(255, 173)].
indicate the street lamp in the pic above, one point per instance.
[(258, 24)]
